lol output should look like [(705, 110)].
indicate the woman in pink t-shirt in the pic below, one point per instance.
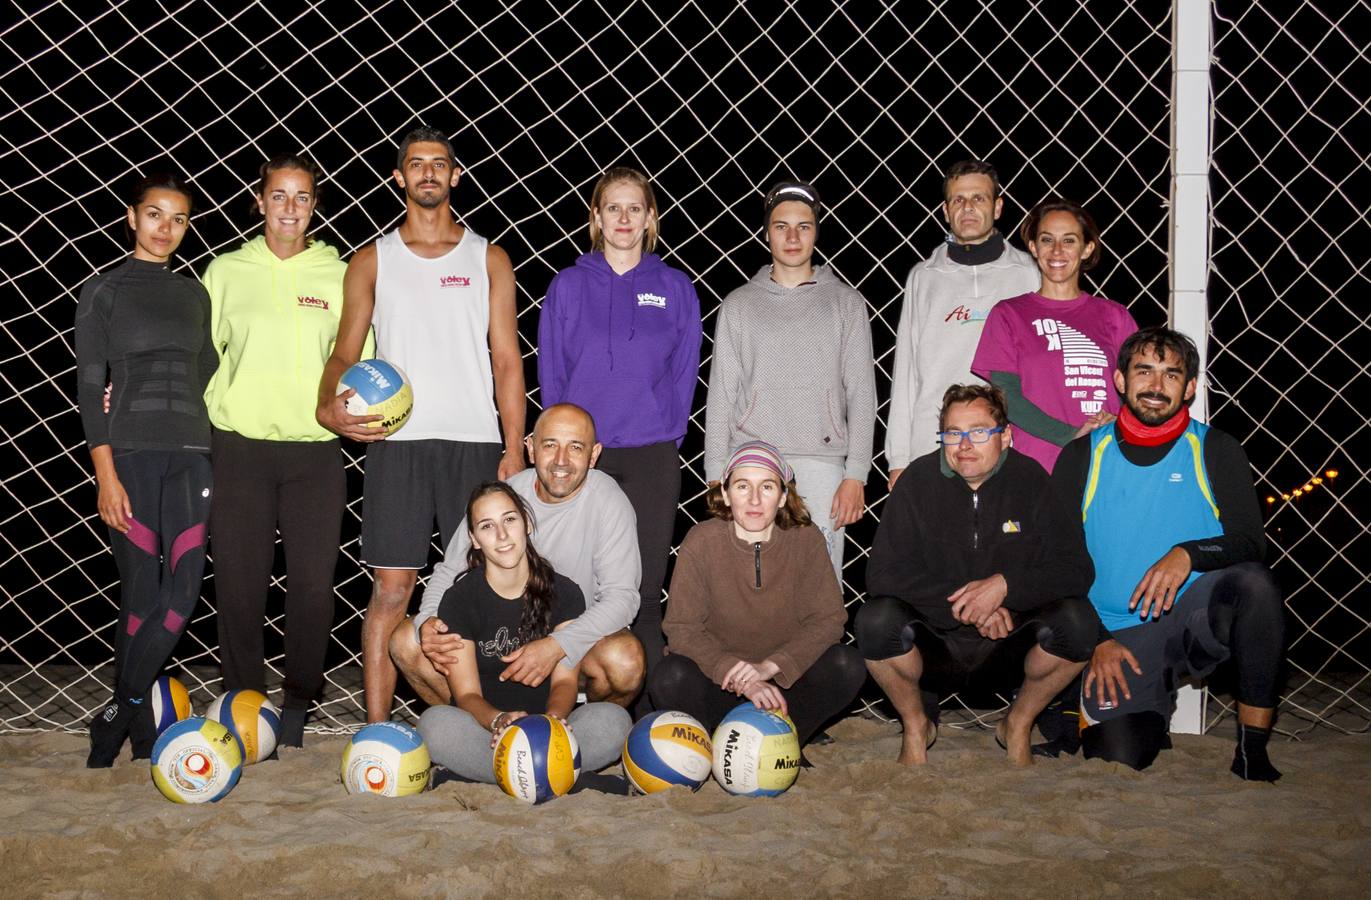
[(1053, 352)]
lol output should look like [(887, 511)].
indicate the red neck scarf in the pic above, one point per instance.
[(1135, 431)]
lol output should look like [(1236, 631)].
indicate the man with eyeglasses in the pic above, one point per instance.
[(972, 583)]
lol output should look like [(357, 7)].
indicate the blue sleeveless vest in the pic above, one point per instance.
[(1133, 515)]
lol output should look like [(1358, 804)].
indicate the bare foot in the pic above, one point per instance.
[(1016, 741), (916, 741)]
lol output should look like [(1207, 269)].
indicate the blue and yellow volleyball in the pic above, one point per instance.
[(196, 760), (251, 718), (667, 749), (169, 702), (388, 759), (756, 752), (537, 759), (382, 390)]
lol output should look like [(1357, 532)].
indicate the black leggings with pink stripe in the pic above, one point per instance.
[(161, 559)]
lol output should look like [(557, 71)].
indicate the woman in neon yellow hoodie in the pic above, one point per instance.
[(275, 307)]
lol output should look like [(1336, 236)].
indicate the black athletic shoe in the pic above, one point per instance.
[(143, 732), (292, 728), (821, 738), (107, 732), (439, 775), (604, 784), (1060, 724)]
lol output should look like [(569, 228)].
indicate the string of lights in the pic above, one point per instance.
[(1306, 488)]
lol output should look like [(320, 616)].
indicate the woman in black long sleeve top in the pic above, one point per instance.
[(145, 330)]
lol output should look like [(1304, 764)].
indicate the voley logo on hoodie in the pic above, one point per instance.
[(454, 281), (656, 300), (313, 302)]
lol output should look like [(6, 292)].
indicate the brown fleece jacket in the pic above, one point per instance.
[(732, 600)]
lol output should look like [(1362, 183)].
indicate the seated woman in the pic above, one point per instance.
[(755, 608), (508, 597)]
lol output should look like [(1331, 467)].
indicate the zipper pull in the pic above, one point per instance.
[(975, 521), (757, 559)]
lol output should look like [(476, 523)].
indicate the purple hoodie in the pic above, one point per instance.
[(624, 347)]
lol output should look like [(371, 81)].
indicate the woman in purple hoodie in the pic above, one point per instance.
[(620, 336)]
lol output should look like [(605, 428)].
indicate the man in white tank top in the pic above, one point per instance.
[(441, 299)]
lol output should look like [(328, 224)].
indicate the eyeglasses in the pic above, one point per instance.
[(975, 435)]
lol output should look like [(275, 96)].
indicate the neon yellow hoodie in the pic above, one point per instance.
[(274, 322)]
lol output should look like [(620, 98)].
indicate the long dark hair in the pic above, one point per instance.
[(540, 594), (159, 181)]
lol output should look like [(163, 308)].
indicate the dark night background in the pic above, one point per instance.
[(870, 103)]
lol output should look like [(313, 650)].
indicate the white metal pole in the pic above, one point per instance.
[(1191, 144)]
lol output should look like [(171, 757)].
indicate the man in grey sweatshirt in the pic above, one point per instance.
[(584, 526), (792, 367), (947, 298)]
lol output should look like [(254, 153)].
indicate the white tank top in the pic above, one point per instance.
[(432, 319)]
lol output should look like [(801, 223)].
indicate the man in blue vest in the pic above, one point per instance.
[(1174, 529)]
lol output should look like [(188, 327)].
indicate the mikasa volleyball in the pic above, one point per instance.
[(382, 390), (756, 752)]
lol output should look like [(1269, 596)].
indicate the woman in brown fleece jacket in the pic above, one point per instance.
[(755, 610)]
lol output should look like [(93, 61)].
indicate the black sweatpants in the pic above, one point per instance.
[(1237, 613), (651, 478), (299, 488), (824, 691), (161, 560)]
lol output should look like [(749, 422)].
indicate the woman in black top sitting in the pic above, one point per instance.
[(508, 597)]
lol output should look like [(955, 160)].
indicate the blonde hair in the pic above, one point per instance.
[(614, 176)]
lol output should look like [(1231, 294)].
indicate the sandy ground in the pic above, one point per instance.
[(855, 825)]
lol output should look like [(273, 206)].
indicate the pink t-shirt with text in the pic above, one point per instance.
[(1064, 352)]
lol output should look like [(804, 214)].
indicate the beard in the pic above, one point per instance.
[(1149, 416), (431, 200)]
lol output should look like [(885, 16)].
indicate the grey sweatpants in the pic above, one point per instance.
[(460, 744)]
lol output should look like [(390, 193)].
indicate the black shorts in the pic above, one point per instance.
[(409, 484), (962, 660), (1179, 644)]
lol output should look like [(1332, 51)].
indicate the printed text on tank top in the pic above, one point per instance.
[(452, 281)]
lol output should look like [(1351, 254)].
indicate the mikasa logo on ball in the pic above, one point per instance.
[(730, 745), (690, 734)]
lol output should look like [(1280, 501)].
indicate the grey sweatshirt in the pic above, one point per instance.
[(793, 366), (591, 539), (945, 307)]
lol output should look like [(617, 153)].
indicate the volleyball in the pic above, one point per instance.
[(666, 749), (170, 702), (756, 752), (386, 758), (382, 390), (536, 759), (196, 760), (251, 718)]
